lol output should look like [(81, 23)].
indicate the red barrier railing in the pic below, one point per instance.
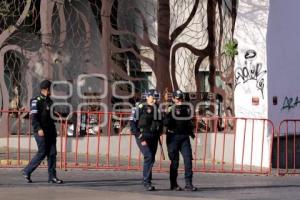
[(227, 145), (16, 146), (98, 140), (287, 150)]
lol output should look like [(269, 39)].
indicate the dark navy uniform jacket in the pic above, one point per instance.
[(145, 120), (40, 111), (177, 120)]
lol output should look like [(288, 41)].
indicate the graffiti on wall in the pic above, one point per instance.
[(290, 103), (251, 70)]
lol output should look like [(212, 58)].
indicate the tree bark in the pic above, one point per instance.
[(212, 43), (162, 55)]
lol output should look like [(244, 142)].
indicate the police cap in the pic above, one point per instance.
[(153, 93), (178, 94)]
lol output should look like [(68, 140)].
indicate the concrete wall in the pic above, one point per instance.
[(251, 83), (283, 54)]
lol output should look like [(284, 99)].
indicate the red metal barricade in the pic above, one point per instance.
[(233, 145), (98, 140), (287, 147), (16, 146)]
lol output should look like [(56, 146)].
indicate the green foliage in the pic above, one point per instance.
[(230, 48)]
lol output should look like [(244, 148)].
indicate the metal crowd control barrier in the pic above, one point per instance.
[(233, 145), (97, 140), (286, 151), (17, 144)]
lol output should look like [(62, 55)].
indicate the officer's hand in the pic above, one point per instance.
[(41, 133), (144, 143)]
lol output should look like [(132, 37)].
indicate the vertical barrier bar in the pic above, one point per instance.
[(8, 151), (278, 146), (242, 167), (196, 143), (251, 156), (215, 143), (19, 139), (205, 144), (271, 148), (234, 138), (119, 144), (62, 129), (98, 141), (262, 147), (66, 139), (108, 142), (224, 138), (130, 147), (77, 134), (87, 130)]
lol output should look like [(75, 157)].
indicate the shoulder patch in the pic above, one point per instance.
[(170, 108)]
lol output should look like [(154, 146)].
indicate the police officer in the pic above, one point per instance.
[(146, 126), (179, 127), (44, 134)]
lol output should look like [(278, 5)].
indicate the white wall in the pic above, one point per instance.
[(283, 47), (251, 80)]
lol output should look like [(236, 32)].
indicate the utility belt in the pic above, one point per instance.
[(172, 132), (176, 132)]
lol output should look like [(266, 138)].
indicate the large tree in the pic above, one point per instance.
[(178, 39)]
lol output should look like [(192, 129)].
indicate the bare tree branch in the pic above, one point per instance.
[(137, 54), (221, 34), (10, 30), (198, 52), (140, 40), (146, 37), (121, 73), (62, 23), (179, 29)]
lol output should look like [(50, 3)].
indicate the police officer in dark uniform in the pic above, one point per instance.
[(44, 134), (146, 126), (179, 127)]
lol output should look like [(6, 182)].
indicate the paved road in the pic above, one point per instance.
[(90, 185)]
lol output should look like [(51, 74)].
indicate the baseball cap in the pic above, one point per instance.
[(45, 84)]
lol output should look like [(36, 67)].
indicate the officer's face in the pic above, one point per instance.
[(177, 101), (151, 100), (46, 92)]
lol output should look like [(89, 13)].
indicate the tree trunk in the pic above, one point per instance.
[(46, 11), (211, 28), (162, 55)]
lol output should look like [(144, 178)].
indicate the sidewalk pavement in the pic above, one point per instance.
[(95, 184)]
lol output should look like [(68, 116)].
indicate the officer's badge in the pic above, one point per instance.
[(177, 111), (47, 108), (149, 110)]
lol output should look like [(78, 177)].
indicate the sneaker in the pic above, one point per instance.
[(26, 177), (190, 187), (55, 180), (175, 187), (149, 187)]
